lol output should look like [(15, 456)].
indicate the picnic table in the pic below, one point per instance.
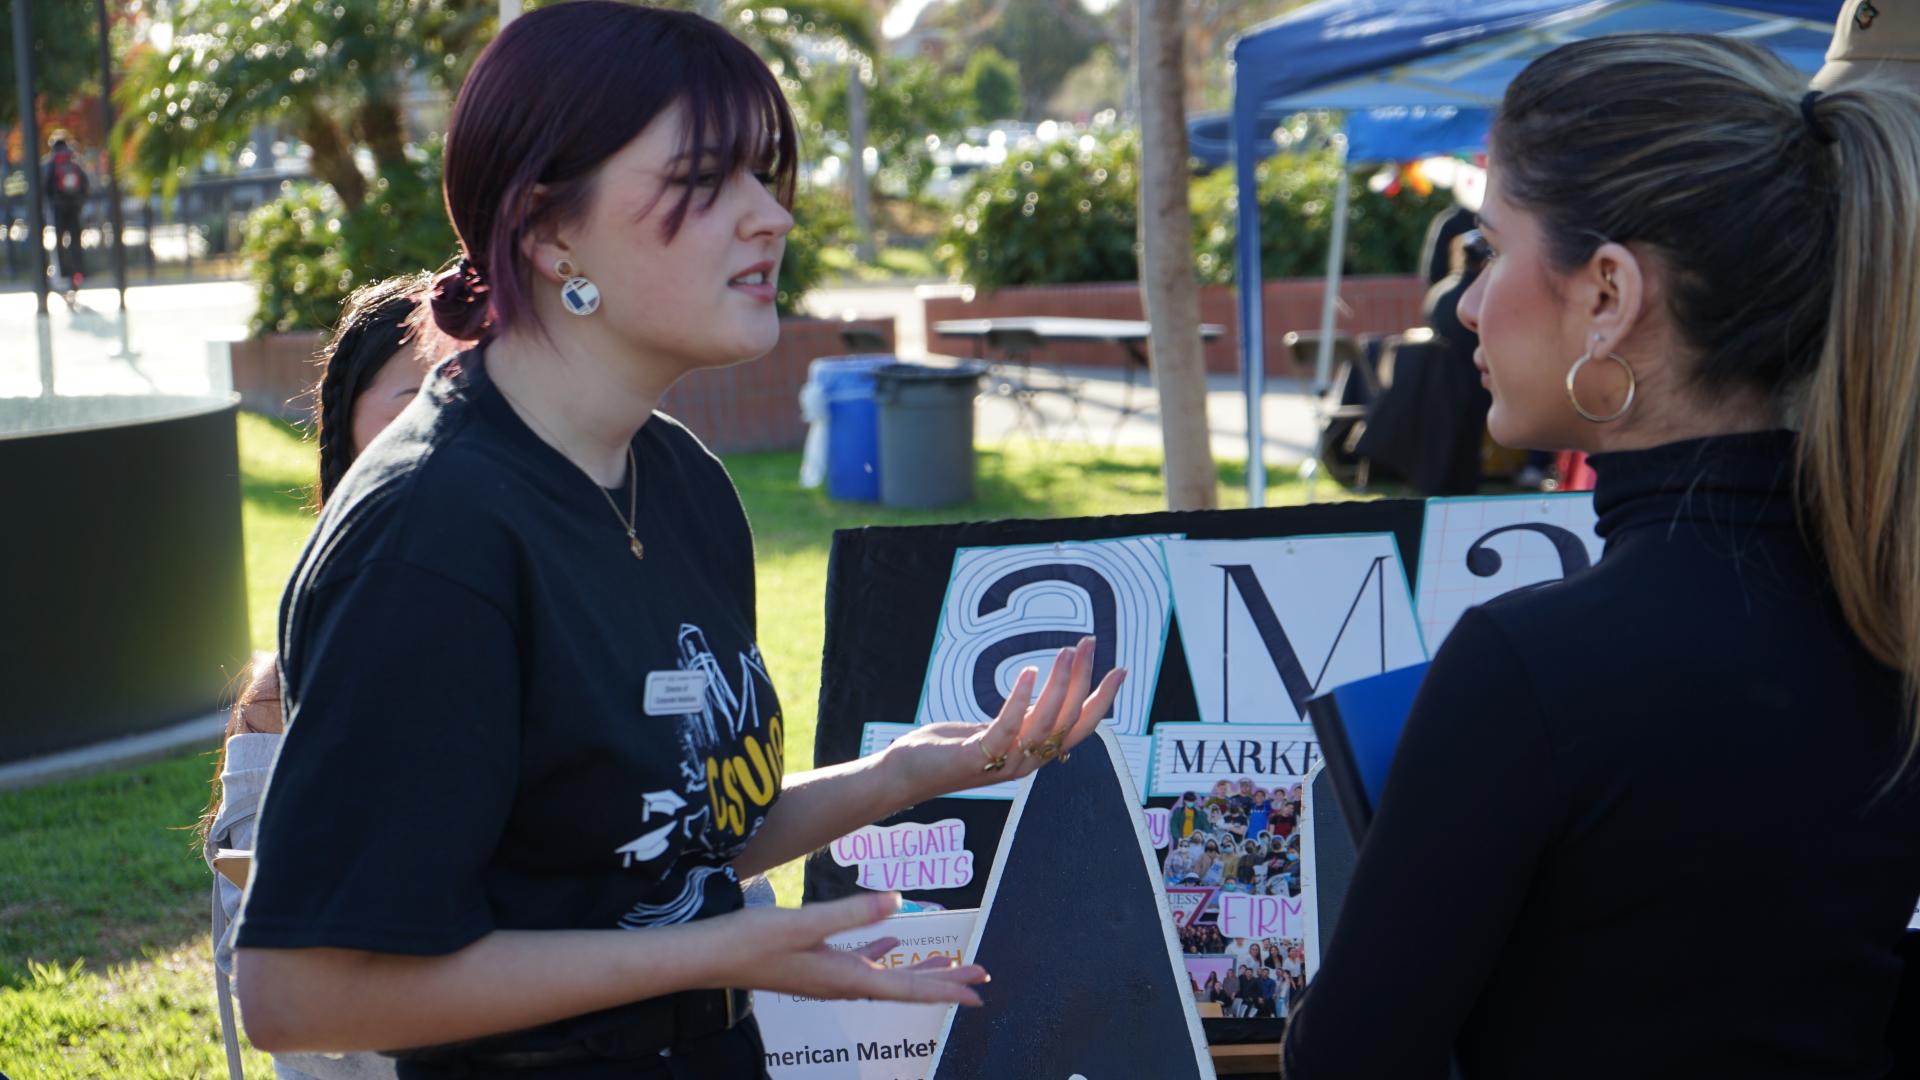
[(1018, 336)]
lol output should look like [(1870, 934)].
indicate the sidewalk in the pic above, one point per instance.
[(168, 328), (157, 346)]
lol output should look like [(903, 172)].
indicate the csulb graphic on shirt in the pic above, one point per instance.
[(732, 760)]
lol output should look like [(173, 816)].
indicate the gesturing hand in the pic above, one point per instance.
[(942, 758), (785, 950)]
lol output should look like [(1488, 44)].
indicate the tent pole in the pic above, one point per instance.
[(1330, 305), (1247, 152), (1336, 256)]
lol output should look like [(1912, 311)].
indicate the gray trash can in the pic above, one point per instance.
[(926, 433)]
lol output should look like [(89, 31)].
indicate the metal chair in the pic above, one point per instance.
[(1018, 345), (1342, 408)]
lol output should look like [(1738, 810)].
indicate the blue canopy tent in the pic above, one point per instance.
[(1372, 54), (1400, 133)]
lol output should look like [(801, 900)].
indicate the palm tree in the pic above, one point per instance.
[(331, 71), (776, 28)]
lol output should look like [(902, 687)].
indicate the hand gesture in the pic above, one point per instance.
[(943, 758), (785, 950)]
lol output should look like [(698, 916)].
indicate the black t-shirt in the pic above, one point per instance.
[(466, 649)]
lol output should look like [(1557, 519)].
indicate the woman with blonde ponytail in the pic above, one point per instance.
[(1708, 278)]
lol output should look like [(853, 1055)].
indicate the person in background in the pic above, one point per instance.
[(1282, 816), (1186, 815), (1180, 861), (370, 369), (1258, 814), (66, 185), (1437, 258)]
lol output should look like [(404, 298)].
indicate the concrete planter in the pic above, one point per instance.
[(751, 406), (125, 605), (1377, 305)]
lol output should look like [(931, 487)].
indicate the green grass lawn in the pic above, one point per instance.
[(889, 264), (104, 962)]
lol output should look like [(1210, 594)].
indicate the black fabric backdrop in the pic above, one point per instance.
[(885, 587)]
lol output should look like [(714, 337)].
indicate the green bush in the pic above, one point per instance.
[(1061, 216), (908, 100), (820, 221), (293, 244), (308, 254), (1297, 194), (993, 82)]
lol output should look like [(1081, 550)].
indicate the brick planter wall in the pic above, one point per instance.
[(274, 374), (756, 406), (752, 406), (1379, 305)]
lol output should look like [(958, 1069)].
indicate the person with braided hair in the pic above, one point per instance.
[(370, 369)]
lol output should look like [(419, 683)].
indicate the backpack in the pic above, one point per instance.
[(69, 179)]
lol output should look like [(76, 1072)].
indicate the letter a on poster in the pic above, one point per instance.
[(1268, 624), (1473, 550), (1087, 981), (1012, 607)]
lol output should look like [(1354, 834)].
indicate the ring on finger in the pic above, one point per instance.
[(1044, 750), (994, 763)]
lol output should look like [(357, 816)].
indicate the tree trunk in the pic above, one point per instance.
[(381, 127), (858, 187), (1166, 265), (333, 158)]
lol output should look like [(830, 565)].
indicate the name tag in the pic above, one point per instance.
[(675, 693)]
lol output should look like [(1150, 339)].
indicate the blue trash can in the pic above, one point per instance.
[(845, 388)]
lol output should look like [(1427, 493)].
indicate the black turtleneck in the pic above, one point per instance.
[(1631, 828)]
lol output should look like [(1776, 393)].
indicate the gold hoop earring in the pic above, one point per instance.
[(1573, 372), (581, 296)]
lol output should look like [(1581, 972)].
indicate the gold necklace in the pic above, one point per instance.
[(633, 478)]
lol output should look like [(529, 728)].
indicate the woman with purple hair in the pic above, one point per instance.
[(531, 745)]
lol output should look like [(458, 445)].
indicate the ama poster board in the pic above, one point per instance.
[(911, 620), (1227, 621)]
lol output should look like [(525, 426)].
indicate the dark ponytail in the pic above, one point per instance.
[(458, 300), (1789, 224)]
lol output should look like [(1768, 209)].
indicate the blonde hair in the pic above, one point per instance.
[(1860, 448), (1789, 227)]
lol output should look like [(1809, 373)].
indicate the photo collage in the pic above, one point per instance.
[(1237, 839)]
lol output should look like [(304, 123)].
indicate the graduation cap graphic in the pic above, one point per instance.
[(1088, 981)]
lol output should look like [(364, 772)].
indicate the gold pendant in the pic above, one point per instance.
[(633, 545)]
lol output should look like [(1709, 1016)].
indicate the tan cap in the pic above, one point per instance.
[(1873, 37)]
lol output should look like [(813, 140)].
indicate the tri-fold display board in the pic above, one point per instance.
[(1228, 622)]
